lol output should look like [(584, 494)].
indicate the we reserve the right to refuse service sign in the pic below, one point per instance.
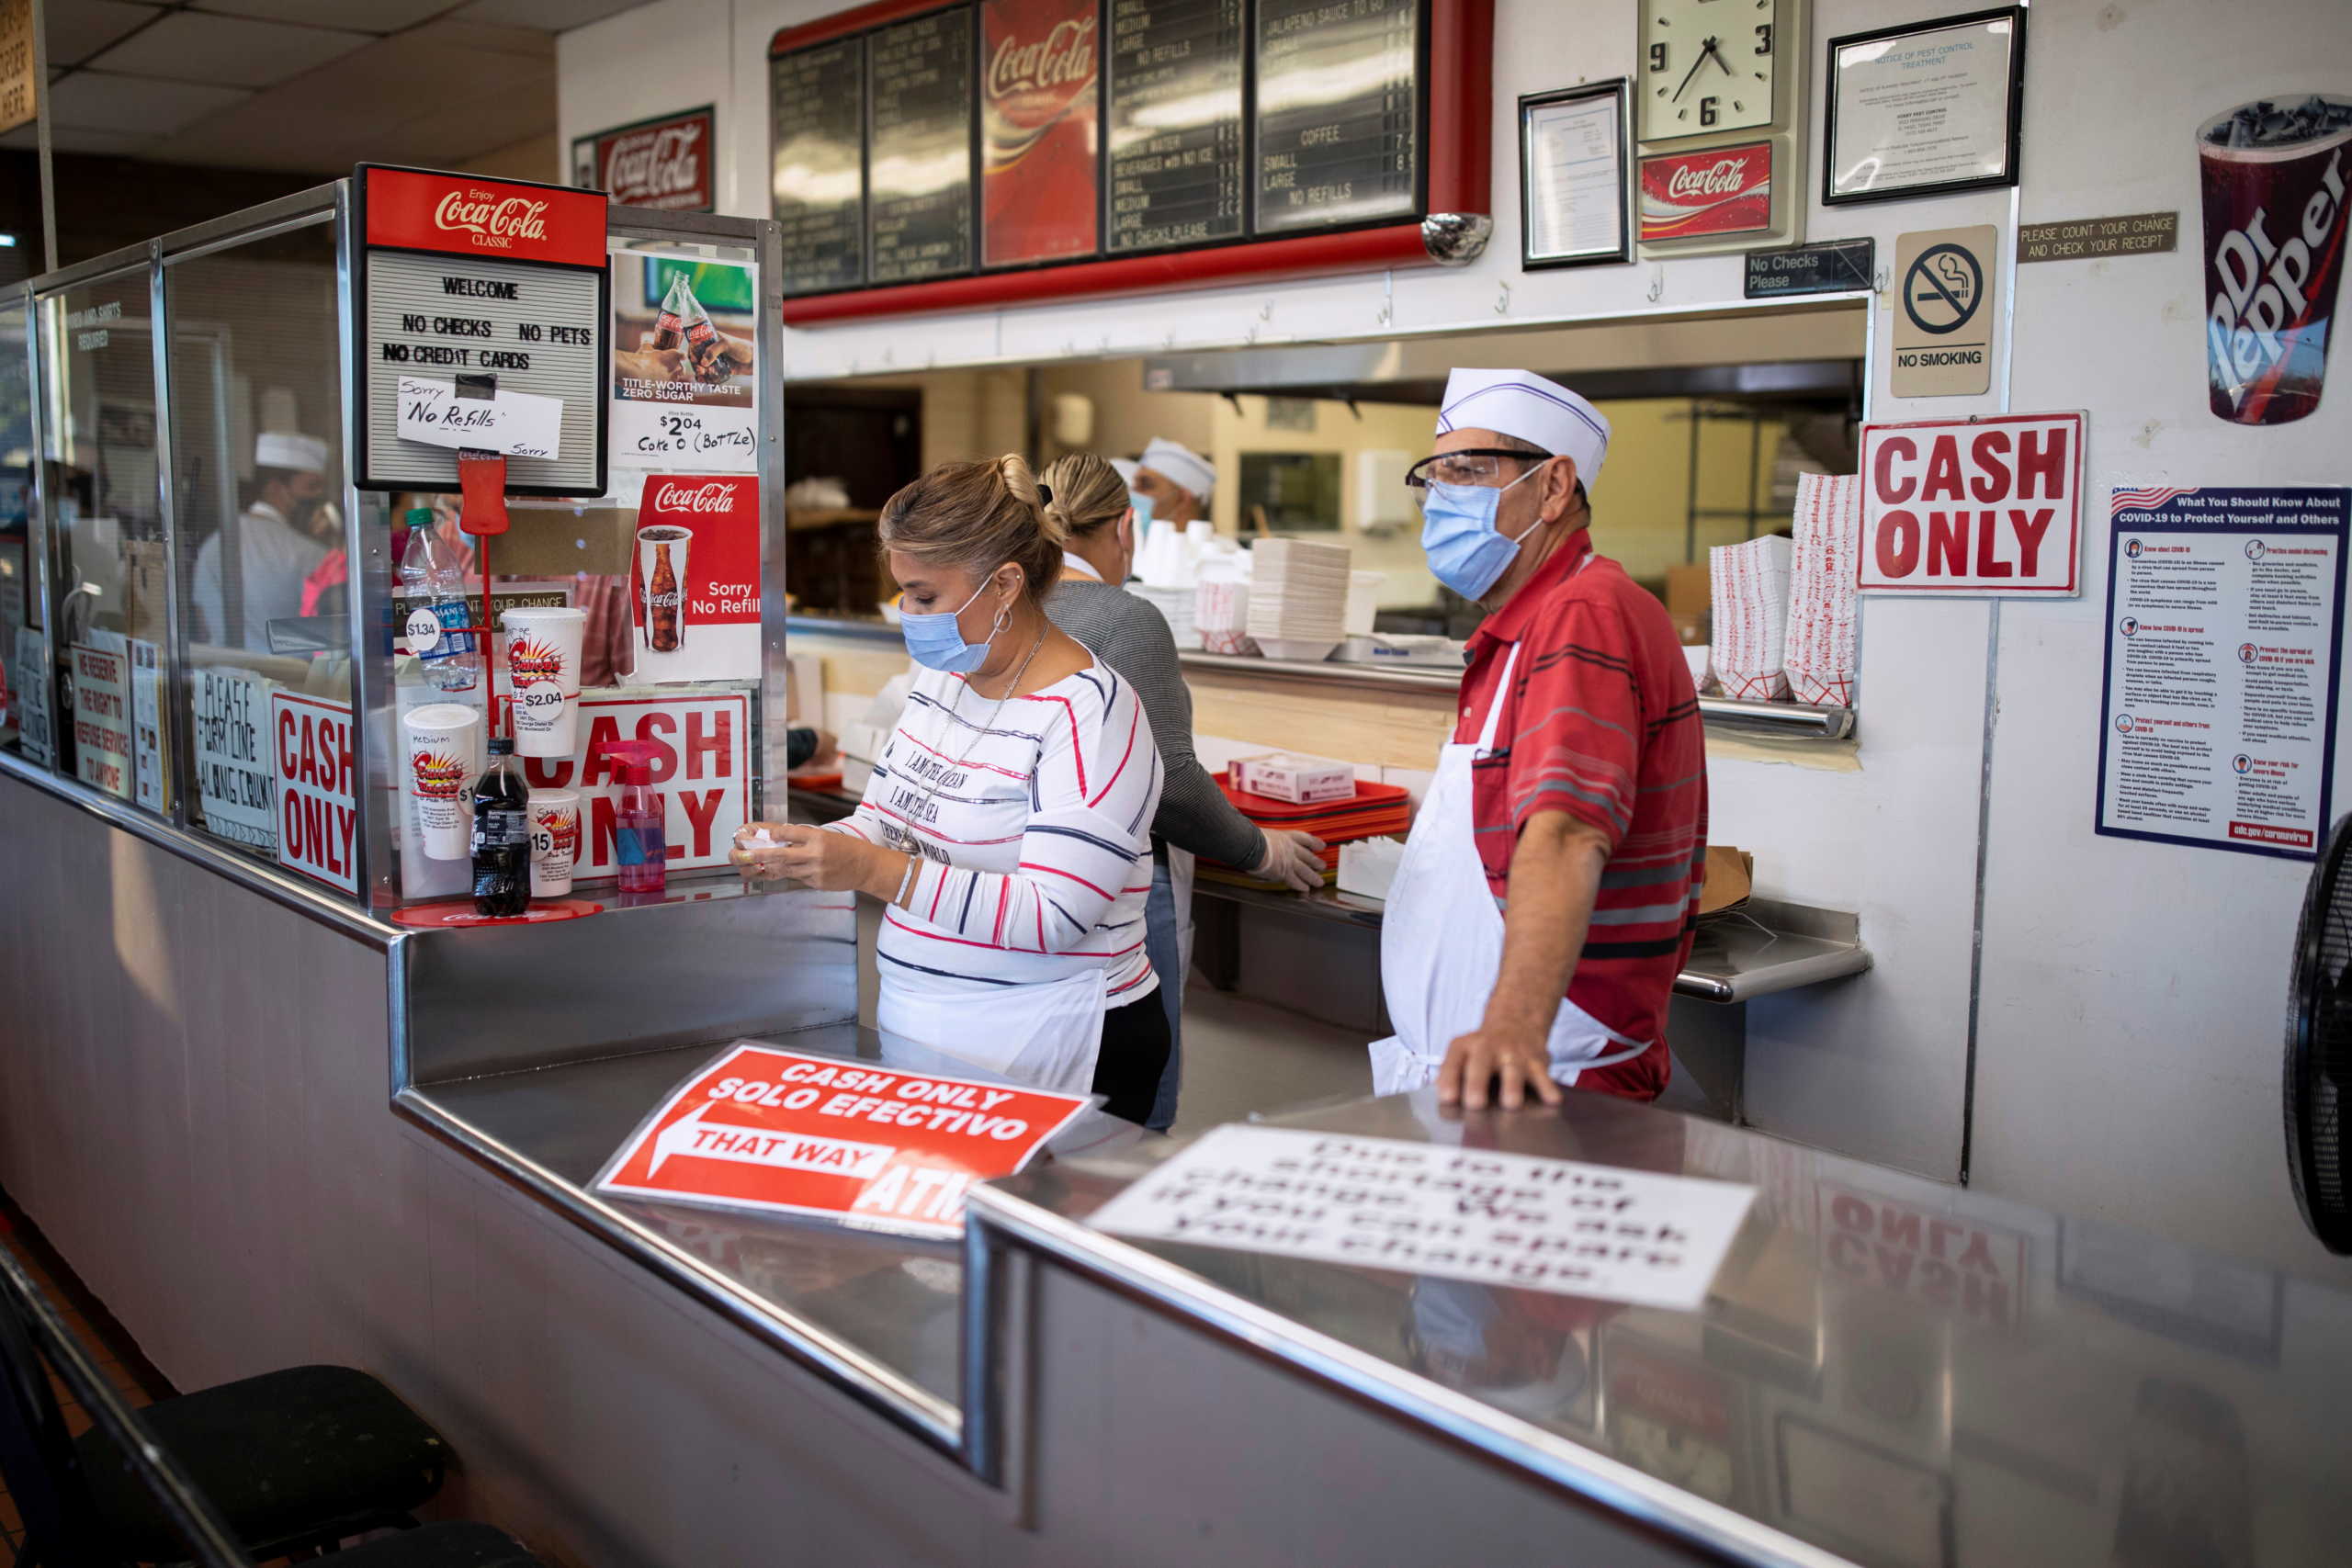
[(2224, 636)]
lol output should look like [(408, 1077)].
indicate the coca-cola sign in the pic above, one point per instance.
[(1041, 60), (711, 495), (664, 164), (495, 223), (1720, 190), (415, 209)]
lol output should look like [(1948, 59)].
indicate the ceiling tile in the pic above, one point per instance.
[(93, 100), (185, 47), (366, 16), (548, 15), (79, 29), (459, 36), (79, 138)]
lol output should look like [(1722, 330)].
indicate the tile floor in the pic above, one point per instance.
[(92, 1324)]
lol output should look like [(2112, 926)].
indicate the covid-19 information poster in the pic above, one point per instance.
[(2224, 635)]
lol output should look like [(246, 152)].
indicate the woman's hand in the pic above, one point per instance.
[(831, 862), (1292, 857)]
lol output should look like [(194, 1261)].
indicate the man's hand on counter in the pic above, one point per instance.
[(1519, 1059), (1292, 857)]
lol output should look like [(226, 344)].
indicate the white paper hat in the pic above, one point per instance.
[(290, 449), (1516, 403), (1179, 466)]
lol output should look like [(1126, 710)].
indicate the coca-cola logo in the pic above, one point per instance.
[(669, 600), (496, 222), (716, 496), (1034, 81), (1725, 176), (657, 167)]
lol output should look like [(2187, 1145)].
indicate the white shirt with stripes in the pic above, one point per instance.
[(1036, 833)]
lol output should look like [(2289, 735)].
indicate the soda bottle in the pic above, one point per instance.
[(670, 326), (502, 839), (438, 612), (661, 602)]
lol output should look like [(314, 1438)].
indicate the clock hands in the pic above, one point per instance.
[(1705, 50)]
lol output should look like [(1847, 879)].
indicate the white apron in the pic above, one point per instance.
[(1045, 1035), (1441, 939)]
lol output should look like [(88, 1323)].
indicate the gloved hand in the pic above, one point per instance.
[(1292, 857)]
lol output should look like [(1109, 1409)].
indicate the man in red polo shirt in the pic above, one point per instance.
[(1547, 897)]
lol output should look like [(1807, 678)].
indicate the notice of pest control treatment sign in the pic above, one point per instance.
[(478, 289), (1461, 1213), (2224, 636), (869, 1146)]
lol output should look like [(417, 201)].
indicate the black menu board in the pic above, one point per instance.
[(1175, 123), (818, 174), (919, 148), (1325, 160)]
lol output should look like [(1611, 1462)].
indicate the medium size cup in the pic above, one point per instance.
[(543, 672), (555, 841), (445, 755)]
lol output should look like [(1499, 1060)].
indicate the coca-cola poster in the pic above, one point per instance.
[(686, 371), (1713, 194), (1040, 62), (694, 580), (664, 164)]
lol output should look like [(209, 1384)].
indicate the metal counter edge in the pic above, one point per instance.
[(997, 1220)]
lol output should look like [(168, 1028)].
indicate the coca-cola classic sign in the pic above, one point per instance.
[(664, 164), (1718, 190), (1039, 61), (416, 209)]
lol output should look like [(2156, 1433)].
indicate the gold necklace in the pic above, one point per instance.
[(902, 835)]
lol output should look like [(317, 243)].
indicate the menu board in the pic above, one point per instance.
[(1339, 112), (1174, 88), (1040, 169), (818, 172), (918, 141)]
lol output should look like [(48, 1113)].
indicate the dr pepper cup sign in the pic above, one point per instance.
[(697, 578), (2273, 174)]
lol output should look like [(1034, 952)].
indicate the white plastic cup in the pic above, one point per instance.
[(445, 757), (543, 672), (555, 841)]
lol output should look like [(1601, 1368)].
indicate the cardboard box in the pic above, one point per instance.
[(1302, 781), (1689, 590), (1730, 879)]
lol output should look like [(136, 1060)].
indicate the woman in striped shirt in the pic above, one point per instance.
[(1008, 823)]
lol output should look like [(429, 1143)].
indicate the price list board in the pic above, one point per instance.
[(918, 140), (1176, 119), (819, 166), (1339, 117)]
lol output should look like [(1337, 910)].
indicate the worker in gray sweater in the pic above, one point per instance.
[(1089, 499)]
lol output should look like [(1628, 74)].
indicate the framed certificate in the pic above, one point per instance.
[(1926, 110), (1574, 209)]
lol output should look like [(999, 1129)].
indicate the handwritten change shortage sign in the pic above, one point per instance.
[(869, 1146), (233, 779), (1478, 1214)]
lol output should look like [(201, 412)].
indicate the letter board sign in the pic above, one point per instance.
[(1990, 506), (460, 277)]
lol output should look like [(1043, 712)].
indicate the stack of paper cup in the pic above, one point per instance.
[(555, 841), (445, 757), (543, 669)]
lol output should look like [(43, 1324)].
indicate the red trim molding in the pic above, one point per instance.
[(1459, 167)]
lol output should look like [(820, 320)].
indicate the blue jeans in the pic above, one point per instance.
[(1163, 932)]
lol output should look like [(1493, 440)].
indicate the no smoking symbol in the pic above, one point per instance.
[(1942, 289)]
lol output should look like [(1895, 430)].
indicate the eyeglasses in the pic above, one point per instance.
[(1472, 466)]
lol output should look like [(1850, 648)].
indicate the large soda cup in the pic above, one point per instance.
[(543, 672), (444, 756), (2274, 174), (555, 841), (660, 571)]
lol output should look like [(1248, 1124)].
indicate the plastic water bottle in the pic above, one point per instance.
[(437, 610)]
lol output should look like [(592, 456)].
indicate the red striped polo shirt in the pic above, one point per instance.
[(1600, 722)]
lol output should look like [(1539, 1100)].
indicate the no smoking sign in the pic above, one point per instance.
[(1943, 313)]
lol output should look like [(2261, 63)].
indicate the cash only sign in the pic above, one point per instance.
[(869, 1146)]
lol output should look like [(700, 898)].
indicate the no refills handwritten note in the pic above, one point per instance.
[(521, 424)]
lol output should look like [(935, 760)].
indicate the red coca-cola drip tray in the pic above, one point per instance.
[(451, 914)]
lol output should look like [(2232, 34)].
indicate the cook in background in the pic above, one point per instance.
[(1194, 818), (1549, 890), (1172, 484), (279, 543), (1008, 823)]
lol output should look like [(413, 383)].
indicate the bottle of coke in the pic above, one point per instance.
[(501, 841), (677, 305)]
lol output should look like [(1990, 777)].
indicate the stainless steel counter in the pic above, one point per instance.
[(1886, 1372)]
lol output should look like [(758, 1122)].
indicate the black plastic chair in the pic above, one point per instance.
[(290, 1460)]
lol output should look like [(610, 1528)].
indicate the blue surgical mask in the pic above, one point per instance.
[(935, 640), (1142, 503), (1458, 533)]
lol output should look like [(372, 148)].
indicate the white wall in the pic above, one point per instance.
[(2131, 993)]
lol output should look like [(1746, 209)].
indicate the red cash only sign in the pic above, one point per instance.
[(701, 768), (1985, 506), (416, 209), (836, 1138), (1723, 190), (318, 809)]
